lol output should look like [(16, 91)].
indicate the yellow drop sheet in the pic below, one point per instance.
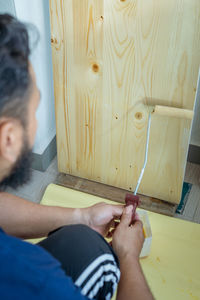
[(173, 267)]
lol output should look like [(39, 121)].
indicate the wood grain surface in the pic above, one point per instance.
[(110, 59)]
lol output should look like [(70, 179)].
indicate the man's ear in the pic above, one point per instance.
[(11, 134)]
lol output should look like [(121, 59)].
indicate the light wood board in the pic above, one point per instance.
[(110, 58)]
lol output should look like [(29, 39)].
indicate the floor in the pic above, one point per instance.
[(192, 208), (34, 190)]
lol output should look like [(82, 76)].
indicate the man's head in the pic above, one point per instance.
[(19, 99)]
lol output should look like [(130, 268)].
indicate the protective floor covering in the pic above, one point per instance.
[(172, 268)]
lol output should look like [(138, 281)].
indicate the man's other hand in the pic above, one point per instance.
[(101, 216), (128, 240)]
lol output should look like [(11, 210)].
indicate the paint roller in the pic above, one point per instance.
[(168, 111)]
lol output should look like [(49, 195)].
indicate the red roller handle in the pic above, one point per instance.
[(133, 200)]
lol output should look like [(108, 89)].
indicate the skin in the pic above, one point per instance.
[(127, 243), (12, 131), (24, 219)]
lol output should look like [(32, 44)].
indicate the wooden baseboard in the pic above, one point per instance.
[(114, 193)]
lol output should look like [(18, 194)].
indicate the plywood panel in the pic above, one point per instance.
[(111, 58)]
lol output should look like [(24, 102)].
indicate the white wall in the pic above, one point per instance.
[(37, 13), (7, 6), (195, 136)]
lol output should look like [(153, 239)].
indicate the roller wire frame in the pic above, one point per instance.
[(146, 155)]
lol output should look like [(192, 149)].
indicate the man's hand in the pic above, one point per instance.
[(128, 240), (101, 216), (127, 243)]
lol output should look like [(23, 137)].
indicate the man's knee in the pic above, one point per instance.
[(99, 278), (87, 258)]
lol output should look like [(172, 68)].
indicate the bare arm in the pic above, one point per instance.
[(132, 284), (128, 242), (24, 219)]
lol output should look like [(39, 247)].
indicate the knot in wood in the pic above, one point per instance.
[(54, 40), (138, 115), (95, 68)]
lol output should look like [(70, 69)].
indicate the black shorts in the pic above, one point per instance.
[(87, 258)]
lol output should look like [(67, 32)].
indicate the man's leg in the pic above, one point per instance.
[(87, 258)]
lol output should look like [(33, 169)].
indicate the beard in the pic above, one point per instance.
[(21, 171)]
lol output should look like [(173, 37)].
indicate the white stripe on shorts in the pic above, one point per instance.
[(98, 274), (92, 266), (100, 283)]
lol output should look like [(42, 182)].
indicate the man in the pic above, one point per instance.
[(74, 261)]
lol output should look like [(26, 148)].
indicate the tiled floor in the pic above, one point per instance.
[(34, 190)]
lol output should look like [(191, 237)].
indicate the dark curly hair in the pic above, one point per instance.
[(15, 80)]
